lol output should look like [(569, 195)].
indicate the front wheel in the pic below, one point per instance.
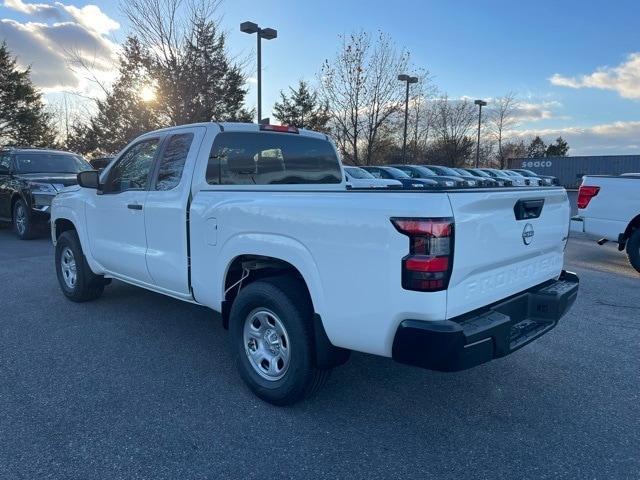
[(22, 223), (76, 279), (272, 338), (633, 249)]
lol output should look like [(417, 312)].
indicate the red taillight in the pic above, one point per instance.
[(585, 194), (427, 268), (279, 128)]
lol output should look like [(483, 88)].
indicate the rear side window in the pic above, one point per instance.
[(172, 162), (252, 158)]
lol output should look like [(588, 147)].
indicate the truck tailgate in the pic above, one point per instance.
[(506, 241)]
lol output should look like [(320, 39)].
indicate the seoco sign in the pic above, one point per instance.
[(536, 163)]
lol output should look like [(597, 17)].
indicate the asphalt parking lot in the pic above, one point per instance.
[(138, 385)]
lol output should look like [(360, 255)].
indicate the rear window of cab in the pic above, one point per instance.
[(261, 158)]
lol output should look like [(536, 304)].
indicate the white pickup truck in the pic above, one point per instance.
[(256, 223), (609, 210)]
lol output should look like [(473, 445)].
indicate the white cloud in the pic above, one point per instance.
[(609, 138), (40, 10), (623, 79), (45, 45), (531, 112), (524, 111), (89, 16)]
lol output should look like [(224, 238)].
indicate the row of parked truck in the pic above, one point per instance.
[(438, 176)]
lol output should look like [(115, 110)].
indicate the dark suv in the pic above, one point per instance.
[(29, 179)]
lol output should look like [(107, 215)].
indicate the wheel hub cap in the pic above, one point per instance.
[(266, 344), (68, 267)]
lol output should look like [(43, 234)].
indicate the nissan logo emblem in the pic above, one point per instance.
[(527, 234)]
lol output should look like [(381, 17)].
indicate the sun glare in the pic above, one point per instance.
[(148, 93)]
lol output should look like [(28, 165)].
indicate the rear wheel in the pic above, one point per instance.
[(22, 221), (76, 279), (633, 249), (272, 338)]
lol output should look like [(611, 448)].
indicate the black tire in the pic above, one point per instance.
[(287, 298), (633, 249), (87, 285), (22, 223)]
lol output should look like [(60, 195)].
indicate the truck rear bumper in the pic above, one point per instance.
[(488, 333)]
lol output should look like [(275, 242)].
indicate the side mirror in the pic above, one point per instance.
[(89, 179)]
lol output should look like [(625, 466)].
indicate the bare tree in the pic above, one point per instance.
[(421, 115), (453, 127), (383, 95), (160, 25), (342, 86), (90, 68), (67, 110), (514, 149), (360, 86), (501, 120)]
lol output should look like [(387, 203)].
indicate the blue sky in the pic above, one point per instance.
[(572, 62)]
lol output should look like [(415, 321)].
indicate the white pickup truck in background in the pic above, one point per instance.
[(256, 223), (609, 210)]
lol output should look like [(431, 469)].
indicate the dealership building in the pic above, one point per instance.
[(570, 170)]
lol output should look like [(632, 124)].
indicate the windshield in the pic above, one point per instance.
[(479, 173), (359, 173), (513, 174), (425, 171), (496, 173), (43, 162), (444, 170), (396, 173), (526, 173)]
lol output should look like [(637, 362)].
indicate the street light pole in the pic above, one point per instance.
[(267, 34), (408, 79), (259, 53), (480, 103)]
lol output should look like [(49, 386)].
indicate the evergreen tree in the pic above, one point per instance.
[(537, 148), (23, 118), (198, 82), (558, 149), (302, 109), (204, 84), (123, 114)]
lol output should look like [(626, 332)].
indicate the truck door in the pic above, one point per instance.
[(115, 216), (166, 210)]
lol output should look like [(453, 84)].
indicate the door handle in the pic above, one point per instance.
[(526, 209), (134, 206)]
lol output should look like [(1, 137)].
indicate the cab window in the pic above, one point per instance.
[(252, 158), (172, 161), (131, 171)]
